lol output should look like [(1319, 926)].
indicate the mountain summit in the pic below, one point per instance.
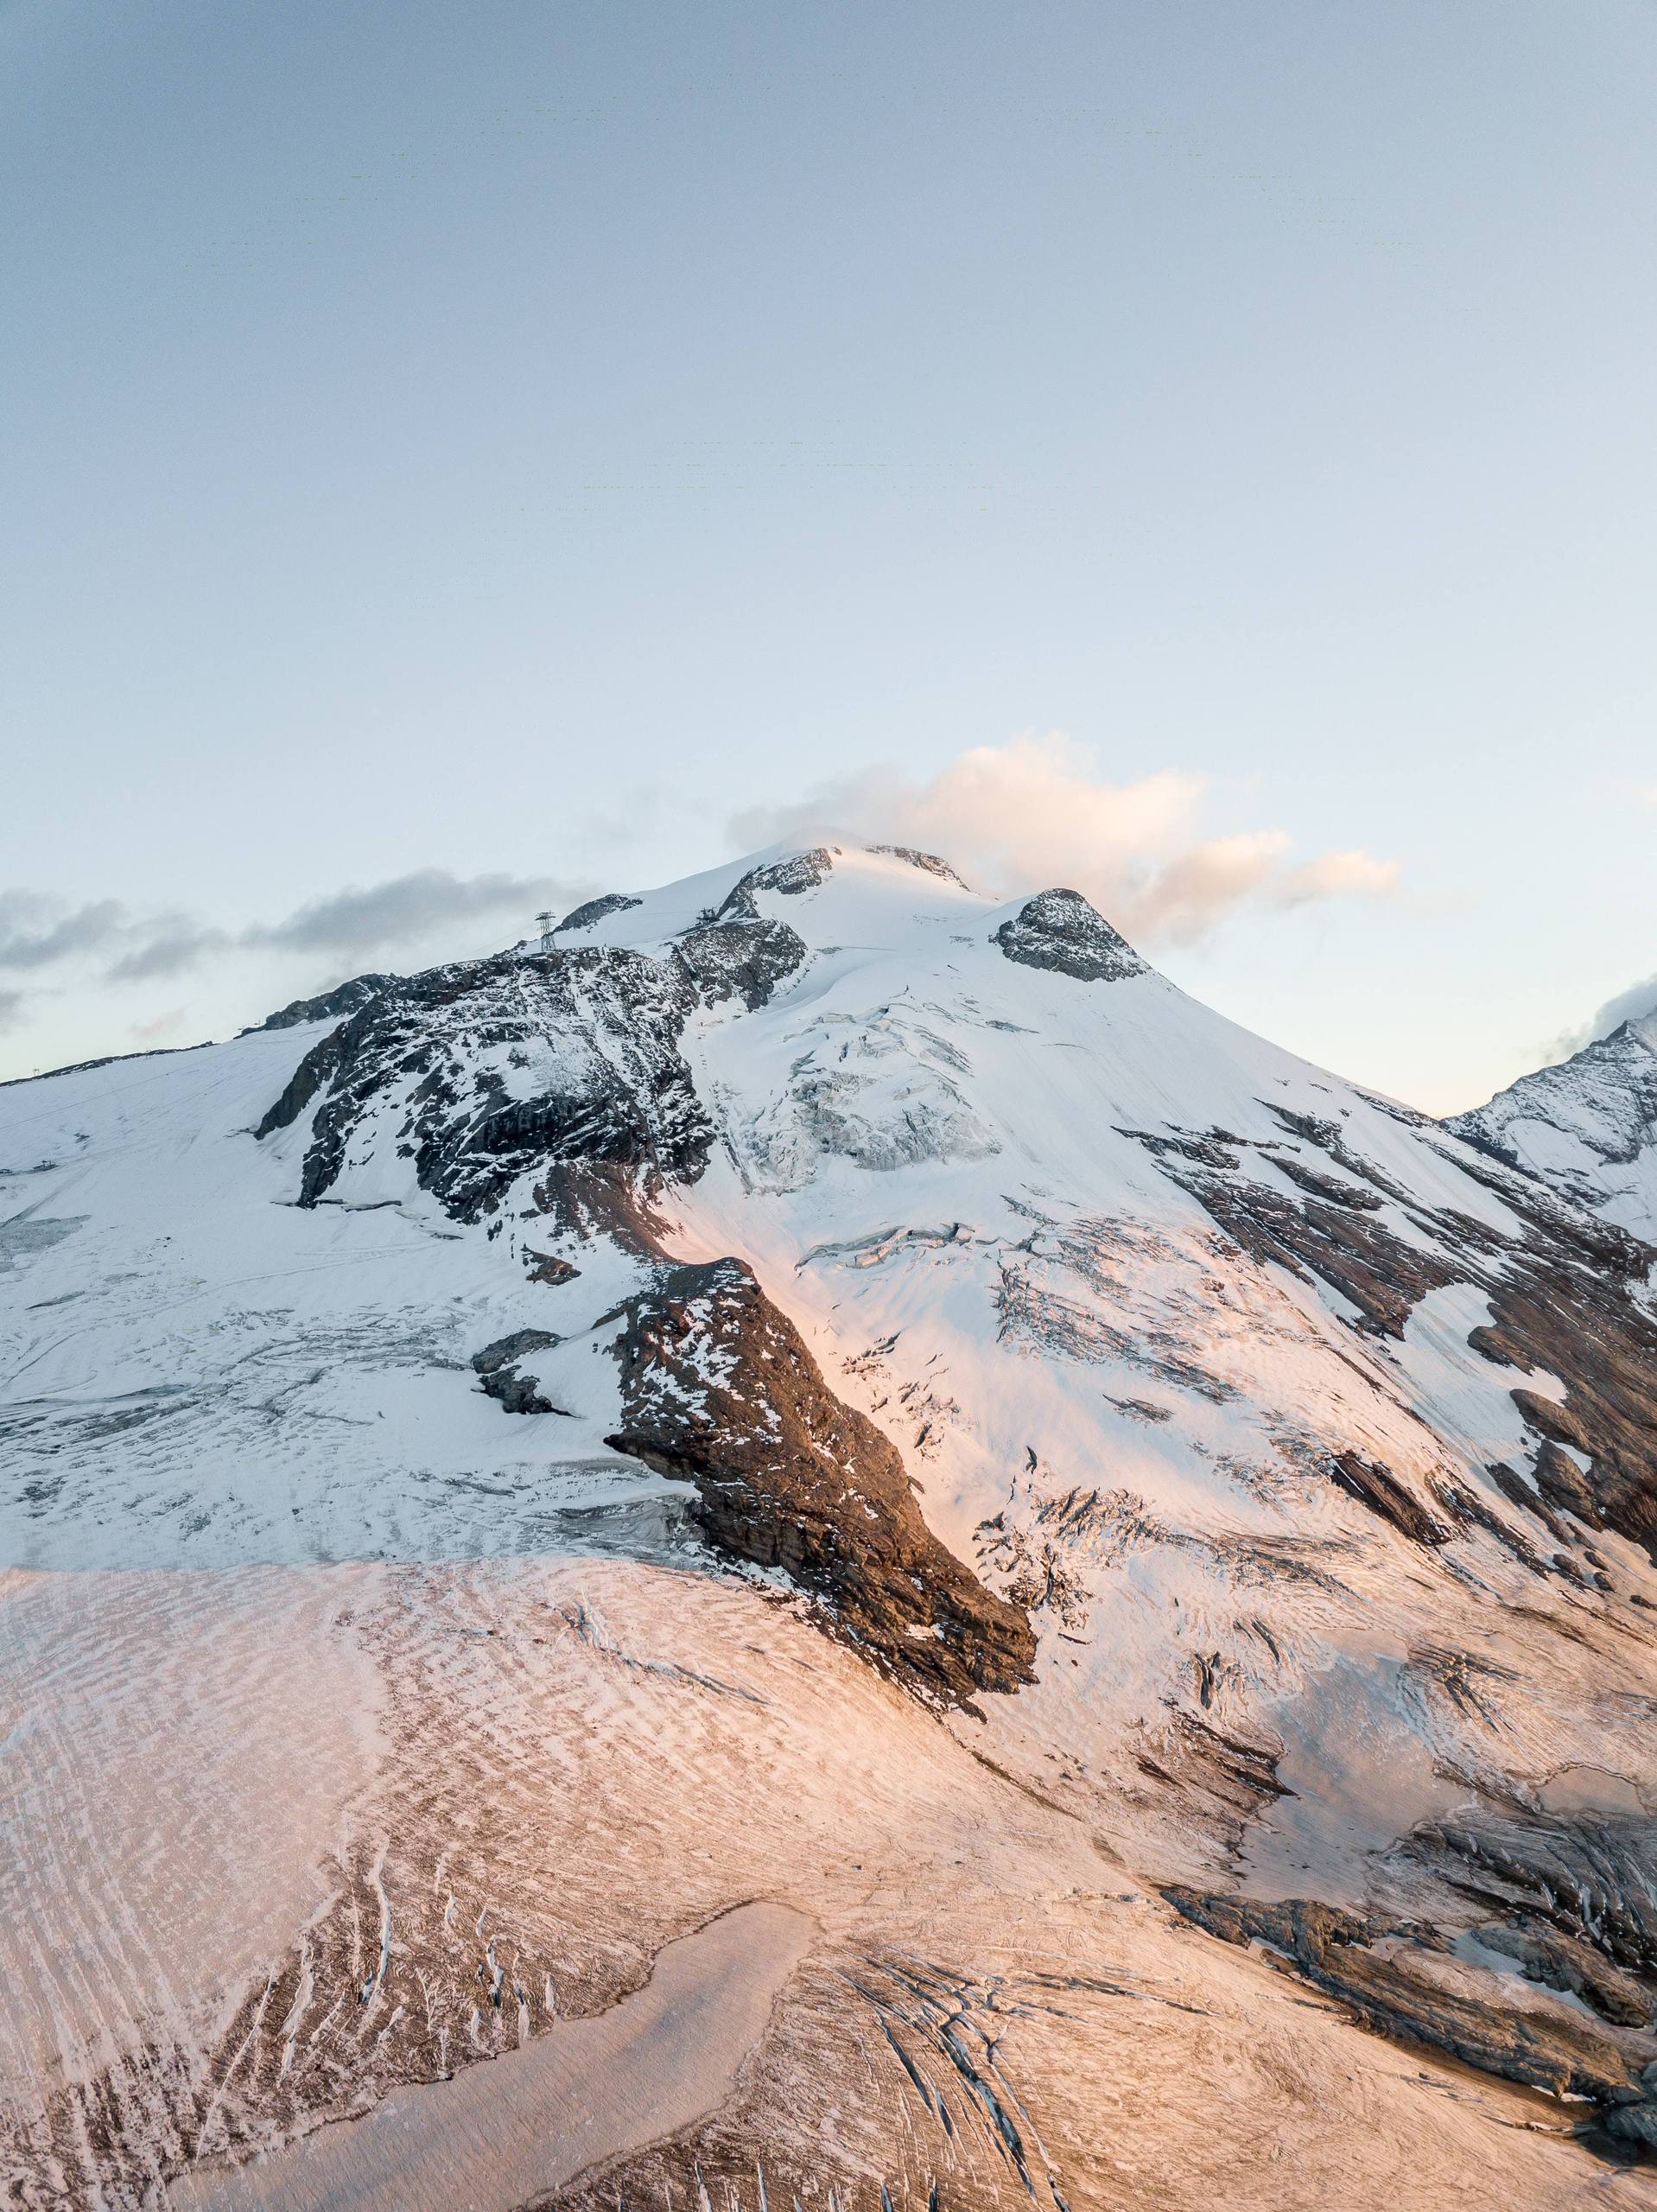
[(1587, 1127), (1075, 1592)]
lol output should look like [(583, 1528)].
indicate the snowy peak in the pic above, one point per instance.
[(886, 982), (1588, 1127), (865, 898), (818, 1280)]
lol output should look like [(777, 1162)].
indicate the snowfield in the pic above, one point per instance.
[(893, 1565)]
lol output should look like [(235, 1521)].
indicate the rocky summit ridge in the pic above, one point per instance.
[(829, 1387), (1588, 1127)]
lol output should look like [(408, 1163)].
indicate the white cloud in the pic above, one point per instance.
[(1632, 1005), (1035, 813), (1336, 874)]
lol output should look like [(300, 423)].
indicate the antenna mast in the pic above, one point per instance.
[(545, 920)]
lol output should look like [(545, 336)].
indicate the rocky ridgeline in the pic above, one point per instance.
[(1588, 1127), (719, 1390), (1567, 1296), (480, 1071)]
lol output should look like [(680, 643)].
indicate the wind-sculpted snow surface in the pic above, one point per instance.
[(829, 1404)]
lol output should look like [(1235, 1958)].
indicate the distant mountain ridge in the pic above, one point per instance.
[(1588, 1125)]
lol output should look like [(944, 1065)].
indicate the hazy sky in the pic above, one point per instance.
[(548, 443)]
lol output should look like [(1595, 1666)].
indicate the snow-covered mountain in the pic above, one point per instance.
[(1587, 1127), (895, 1564)]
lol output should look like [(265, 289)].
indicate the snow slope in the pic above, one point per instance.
[(834, 1389)]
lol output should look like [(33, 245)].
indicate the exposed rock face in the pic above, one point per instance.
[(499, 1376), (1560, 1962), (1592, 1879), (482, 1070), (1586, 1329), (929, 864), (799, 872), (549, 1267), (1059, 929), (1565, 1292), (329, 1005), (1376, 1486), (718, 1389), (1575, 1904), (741, 959), (595, 910), (1384, 1277), (1391, 1993), (1587, 1128)]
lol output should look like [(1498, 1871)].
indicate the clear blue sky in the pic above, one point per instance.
[(516, 439)]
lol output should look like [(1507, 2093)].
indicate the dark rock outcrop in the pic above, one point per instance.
[(1338, 1952), (431, 1059), (1570, 1301), (328, 1005), (1384, 1277), (1375, 1484), (1557, 1962), (1573, 1901), (548, 1267), (1060, 930), (595, 910), (1565, 1290), (798, 872), (498, 1375), (718, 1389), (929, 864), (741, 959), (1319, 1185), (1592, 1879)]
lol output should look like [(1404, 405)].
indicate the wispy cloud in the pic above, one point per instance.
[(166, 946), (1338, 874), (36, 932), (1037, 812), (354, 923), (405, 912), (1632, 1005), (11, 1010), (164, 1025)]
